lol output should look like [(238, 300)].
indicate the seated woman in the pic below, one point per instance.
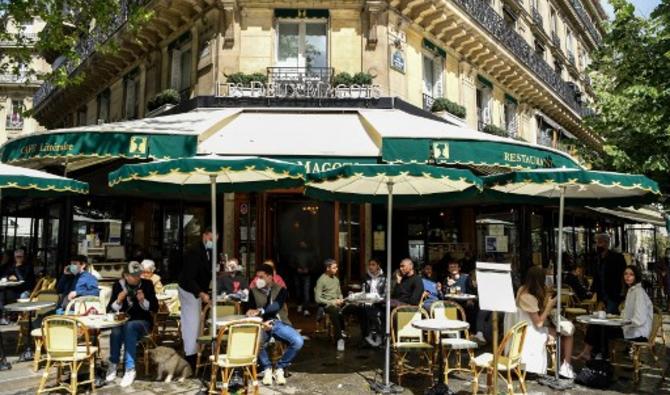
[(535, 306), (149, 273), (637, 308)]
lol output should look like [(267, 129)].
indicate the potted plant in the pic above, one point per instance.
[(349, 86), (496, 130), (243, 84), (163, 101), (442, 105)]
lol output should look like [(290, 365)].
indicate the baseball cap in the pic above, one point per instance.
[(134, 268)]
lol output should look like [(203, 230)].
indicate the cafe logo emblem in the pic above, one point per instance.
[(138, 145), (440, 151)]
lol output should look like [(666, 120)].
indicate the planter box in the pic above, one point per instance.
[(451, 118)]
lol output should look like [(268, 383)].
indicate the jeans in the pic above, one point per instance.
[(303, 285), (284, 333), (129, 335)]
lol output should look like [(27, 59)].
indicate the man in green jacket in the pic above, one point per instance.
[(328, 294)]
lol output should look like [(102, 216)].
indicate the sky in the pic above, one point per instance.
[(643, 7)]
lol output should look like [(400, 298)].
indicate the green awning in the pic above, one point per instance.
[(82, 144), (473, 153), (18, 181)]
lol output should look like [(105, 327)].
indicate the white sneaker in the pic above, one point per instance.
[(299, 308), (267, 376), (479, 338), (566, 371), (111, 372), (340, 345), (128, 378), (279, 377), (306, 313)]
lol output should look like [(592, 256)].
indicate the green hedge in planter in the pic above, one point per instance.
[(493, 129), (246, 79), (347, 79), (168, 96), (442, 104)]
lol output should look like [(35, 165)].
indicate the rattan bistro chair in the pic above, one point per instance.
[(61, 340), (241, 340), (36, 334), (454, 341), (205, 338), (650, 345), (508, 361), (406, 340)]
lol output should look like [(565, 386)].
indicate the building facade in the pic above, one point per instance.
[(18, 85), (512, 68)]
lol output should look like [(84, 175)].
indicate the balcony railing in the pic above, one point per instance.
[(86, 48), (555, 40), (586, 21), (300, 75), (537, 17), (428, 101), (492, 22)]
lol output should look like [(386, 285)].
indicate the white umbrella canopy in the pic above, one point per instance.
[(382, 183)]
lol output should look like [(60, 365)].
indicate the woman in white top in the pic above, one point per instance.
[(535, 306), (637, 309)]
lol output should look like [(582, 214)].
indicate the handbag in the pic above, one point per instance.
[(565, 328)]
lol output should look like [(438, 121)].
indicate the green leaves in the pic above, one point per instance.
[(630, 78)]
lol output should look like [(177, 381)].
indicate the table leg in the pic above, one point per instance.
[(27, 354), (439, 388)]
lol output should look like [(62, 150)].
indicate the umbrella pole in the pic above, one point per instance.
[(559, 275), (214, 291), (389, 223)]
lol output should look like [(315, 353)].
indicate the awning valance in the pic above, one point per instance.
[(633, 215)]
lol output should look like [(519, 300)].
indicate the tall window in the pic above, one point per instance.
[(131, 87), (509, 17), (15, 115), (569, 45), (302, 43), (558, 67), (433, 67), (510, 116), (180, 63), (554, 21), (539, 48), (103, 106), (483, 106)]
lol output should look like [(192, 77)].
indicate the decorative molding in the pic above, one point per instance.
[(373, 11), (230, 9)]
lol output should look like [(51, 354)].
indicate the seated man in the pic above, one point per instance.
[(76, 281), (328, 294), (408, 287), (371, 314), (267, 300), (575, 280), (135, 297), (18, 270), (456, 280)]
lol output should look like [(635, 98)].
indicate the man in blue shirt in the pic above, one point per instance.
[(77, 281)]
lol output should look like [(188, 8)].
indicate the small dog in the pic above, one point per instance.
[(169, 362)]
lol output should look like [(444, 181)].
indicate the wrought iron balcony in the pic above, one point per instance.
[(428, 101), (555, 40), (493, 23), (86, 48), (300, 75), (537, 17), (586, 21)]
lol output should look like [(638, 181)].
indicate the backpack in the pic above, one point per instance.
[(596, 374)]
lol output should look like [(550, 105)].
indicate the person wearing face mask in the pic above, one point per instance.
[(194, 283), (607, 277), (267, 300), (136, 297), (76, 281)]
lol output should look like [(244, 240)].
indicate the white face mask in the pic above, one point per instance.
[(209, 244), (260, 283)]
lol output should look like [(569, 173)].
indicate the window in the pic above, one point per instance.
[(302, 44), (103, 106), (432, 75), (483, 106), (554, 21), (558, 68), (81, 116), (131, 87), (509, 17), (510, 116), (180, 63), (15, 115), (568, 43), (539, 48)]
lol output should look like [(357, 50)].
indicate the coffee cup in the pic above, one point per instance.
[(601, 314), (110, 316)]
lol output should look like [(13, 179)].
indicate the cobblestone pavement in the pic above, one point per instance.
[(319, 369)]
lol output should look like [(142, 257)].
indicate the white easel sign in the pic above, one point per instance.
[(494, 287)]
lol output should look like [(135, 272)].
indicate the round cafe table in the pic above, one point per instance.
[(461, 297), (610, 321), (30, 308), (439, 325), (4, 285), (363, 299), (101, 321)]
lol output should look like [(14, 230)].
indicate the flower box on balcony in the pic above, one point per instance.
[(441, 105)]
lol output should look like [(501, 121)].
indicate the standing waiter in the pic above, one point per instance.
[(194, 281)]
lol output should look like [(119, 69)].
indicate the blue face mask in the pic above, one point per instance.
[(73, 268), (209, 244)]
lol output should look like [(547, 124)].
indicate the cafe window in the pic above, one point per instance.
[(497, 237), (15, 115), (180, 63), (131, 87), (302, 43), (350, 241), (103, 101)]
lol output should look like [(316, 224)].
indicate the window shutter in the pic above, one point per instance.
[(175, 70), (438, 76)]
